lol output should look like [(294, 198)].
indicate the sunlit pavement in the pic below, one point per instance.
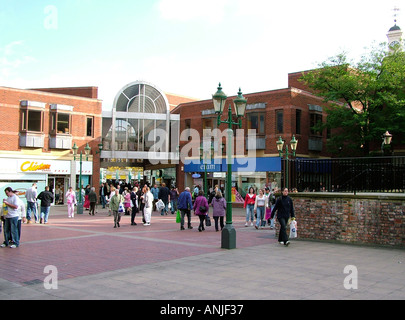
[(86, 258)]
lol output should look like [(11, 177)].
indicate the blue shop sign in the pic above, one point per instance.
[(269, 164)]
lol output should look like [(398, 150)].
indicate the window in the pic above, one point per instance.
[(256, 122), (32, 121), (89, 126), (60, 123), (298, 121), (315, 119), (279, 121)]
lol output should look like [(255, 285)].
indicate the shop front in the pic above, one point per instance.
[(20, 174), (246, 173)]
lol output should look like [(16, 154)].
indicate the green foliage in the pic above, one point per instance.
[(367, 98)]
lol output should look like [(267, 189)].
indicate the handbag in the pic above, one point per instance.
[(178, 216), (203, 209), (268, 214), (207, 221)]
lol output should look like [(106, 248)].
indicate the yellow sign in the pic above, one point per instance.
[(34, 166)]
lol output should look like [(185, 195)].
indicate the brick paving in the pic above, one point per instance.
[(160, 262), (88, 245)]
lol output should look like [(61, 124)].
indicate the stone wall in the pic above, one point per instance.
[(375, 219)]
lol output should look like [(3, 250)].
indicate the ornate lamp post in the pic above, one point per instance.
[(228, 238), (387, 139), (286, 153), (87, 150)]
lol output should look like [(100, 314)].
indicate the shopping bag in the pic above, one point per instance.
[(160, 205), (207, 221), (293, 229), (268, 214), (178, 216), (121, 208)]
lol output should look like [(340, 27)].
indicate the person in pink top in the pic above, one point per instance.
[(71, 201)]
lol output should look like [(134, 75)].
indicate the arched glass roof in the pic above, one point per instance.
[(141, 97)]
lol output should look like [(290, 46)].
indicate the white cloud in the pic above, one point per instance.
[(12, 57)]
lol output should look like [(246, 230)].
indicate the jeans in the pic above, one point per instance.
[(32, 207), (11, 228), (165, 209), (183, 213), (250, 209), (173, 204), (260, 215), (103, 201), (45, 213)]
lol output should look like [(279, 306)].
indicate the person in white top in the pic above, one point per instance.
[(71, 201), (260, 207), (148, 197), (31, 196), (11, 219)]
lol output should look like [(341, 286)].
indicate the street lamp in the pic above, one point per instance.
[(203, 156), (228, 238), (87, 150), (286, 153), (387, 139)]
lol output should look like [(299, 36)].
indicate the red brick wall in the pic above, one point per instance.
[(358, 219), (10, 120)]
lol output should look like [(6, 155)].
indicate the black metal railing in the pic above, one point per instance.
[(373, 174)]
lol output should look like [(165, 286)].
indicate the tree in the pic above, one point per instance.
[(366, 98)]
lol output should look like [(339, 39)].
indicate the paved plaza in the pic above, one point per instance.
[(85, 258)]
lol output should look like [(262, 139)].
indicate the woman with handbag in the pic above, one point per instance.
[(201, 209), (219, 209)]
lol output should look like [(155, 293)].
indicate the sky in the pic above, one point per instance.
[(184, 47)]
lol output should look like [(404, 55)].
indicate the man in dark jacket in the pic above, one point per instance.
[(284, 208), (184, 205), (46, 198), (164, 195)]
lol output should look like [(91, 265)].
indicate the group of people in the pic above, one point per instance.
[(14, 212), (264, 206)]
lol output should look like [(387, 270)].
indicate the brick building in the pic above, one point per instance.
[(285, 113), (39, 128)]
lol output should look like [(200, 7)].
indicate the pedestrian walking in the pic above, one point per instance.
[(103, 192), (127, 201), (201, 209), (11, 219), (174, 196), (285, 209), (86, 204), (249, 205), (46, 198), (219, 209), (164, 195), (92, 197), (185, 204), (260, 208), (71, 202), (115, 202), (134, 202), (155, 192), (31, 196), (148, 197)]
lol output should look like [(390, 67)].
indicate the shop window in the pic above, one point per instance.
[(315, 120), (60, 123), (89, 126), (298, 121), (279, 121), (32, 121), (256, 121)]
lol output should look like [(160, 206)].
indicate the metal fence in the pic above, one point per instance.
[(377, 174)]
